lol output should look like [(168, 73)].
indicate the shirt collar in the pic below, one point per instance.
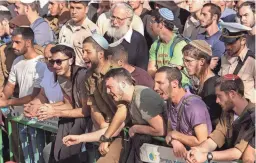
[(243, 53), (128, 36), (84, 25)]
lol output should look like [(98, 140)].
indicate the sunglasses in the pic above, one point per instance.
[(57, 61)]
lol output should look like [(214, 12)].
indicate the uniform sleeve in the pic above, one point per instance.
[(152, 51), (219, 134)]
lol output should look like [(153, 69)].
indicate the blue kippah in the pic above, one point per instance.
[(100, 40), (166, 13)]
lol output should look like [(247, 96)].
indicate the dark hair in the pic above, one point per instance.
[(172, 73), (214, 9), (5, 15), (251, 4), (95, 45), (84, 2), (26, 33), (68, 51), (158, 18), (120, 74), (35, 6), (194, 52), (119, 53), (230, 82)]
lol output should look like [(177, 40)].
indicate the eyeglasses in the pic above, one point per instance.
[(57, 61), (117, 18)]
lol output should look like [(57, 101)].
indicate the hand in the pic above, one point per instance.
[(178, 149), (103, 148), (168, 138), (45, 112), (132, 131), (30, 109), (174, 134), (195, 156), (71, 140)]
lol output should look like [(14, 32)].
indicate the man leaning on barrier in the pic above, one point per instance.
[(236, 127)]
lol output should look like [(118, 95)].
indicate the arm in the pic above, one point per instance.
[(152, 68), (117, 121), (152, 59), (8, 90), (156, 127), (191, 141), (227, 155)]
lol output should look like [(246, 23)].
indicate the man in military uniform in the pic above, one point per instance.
[(236, 127), (59, 15), (238, 60)]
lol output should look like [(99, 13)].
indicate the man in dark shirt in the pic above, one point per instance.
[(120, 32), (119, 58)]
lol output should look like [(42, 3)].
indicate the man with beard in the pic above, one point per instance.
[(27, 71), (227, 14), (210, 16), (246, 13), (77, 29), (238, 60), (188, 118), (236, 127), (59, 15), (120, 32)]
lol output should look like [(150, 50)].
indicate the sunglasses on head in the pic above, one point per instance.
[(57, 61)]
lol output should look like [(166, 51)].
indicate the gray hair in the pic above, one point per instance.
[(125, 6)]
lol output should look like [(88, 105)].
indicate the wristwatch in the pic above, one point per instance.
[(209, 156), (103, 138)]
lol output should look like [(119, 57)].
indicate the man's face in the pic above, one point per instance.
[(114, 89), (191, 64), (162, 85), (214, 62), (78, 12), (247, 17), (232, 49), (19, 8), (61, 63), (48, 56), (195, 5), (154, 26), (134, 3), (90, 55), (118, 18), (206, 18), (223, 99), (19, 45), (54, 8)]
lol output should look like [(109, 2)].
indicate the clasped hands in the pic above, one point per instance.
[(41, 111)]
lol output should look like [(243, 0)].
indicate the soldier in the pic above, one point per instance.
[(238, 60), (236, 127)]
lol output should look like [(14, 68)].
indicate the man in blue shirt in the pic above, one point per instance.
[(210, 17), (43, 33)]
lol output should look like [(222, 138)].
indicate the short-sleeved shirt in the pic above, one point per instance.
[(27, 73), (246, 73), (194, 113), (192, 28), (217, 46), (145, 105), (237, 133), (75, 35), (163, 55), (43, 32)]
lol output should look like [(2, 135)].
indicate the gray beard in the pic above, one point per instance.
[(117, 33)]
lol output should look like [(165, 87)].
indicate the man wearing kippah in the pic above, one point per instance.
[(167, 49), (238, 59)]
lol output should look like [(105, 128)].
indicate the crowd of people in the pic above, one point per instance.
[(119, 73)]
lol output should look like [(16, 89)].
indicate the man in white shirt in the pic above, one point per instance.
[(27, 71)]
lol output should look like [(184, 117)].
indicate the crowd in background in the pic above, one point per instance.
[(118, 73)]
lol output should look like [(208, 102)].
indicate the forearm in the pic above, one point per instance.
[(20, 101), (227, 155), (147, 130), (117, 121), (60, 106), (93, 136), (73, 113), (188, 140), (207, 146)]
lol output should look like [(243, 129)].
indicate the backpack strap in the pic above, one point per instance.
[(176, 40), (181, 109), (157, 48), (240, 63)]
